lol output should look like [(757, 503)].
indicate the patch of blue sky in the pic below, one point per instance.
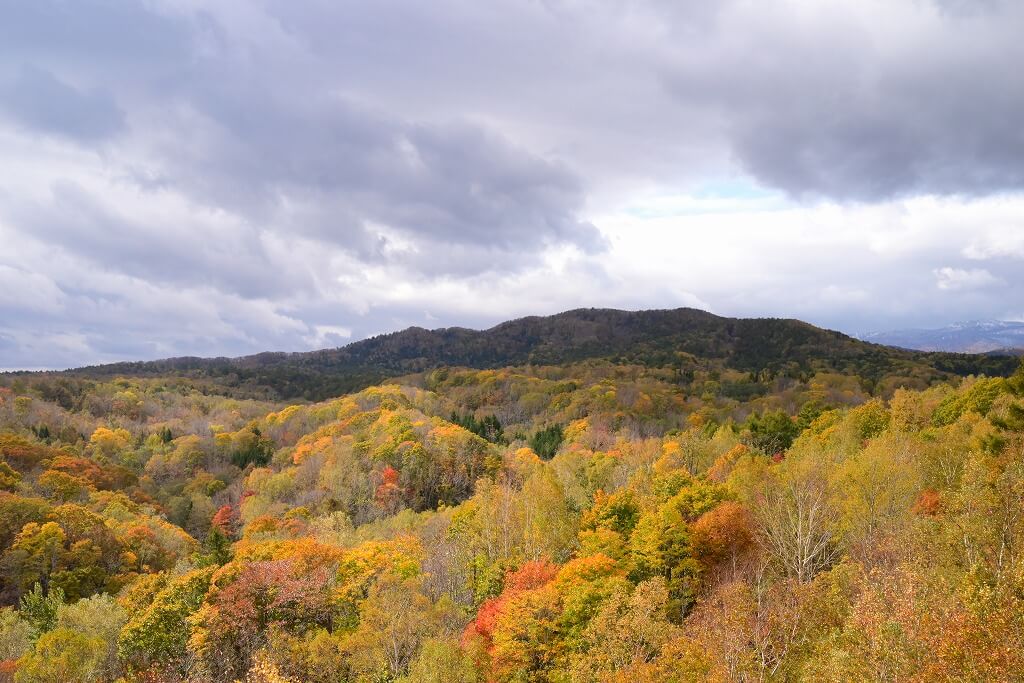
[(717, 196)]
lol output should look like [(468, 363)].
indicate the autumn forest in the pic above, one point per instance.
[(551, 505)]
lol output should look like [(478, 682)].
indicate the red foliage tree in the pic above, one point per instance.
[(225, 520), (389, 494), (529, 576), (284, 594), (928, 503)]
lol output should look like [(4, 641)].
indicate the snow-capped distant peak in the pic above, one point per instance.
[(972, 336)]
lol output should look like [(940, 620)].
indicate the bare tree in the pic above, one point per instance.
[(797, 522)]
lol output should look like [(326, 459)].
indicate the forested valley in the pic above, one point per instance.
[(668, 518)]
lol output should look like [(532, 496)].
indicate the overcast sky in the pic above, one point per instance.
[(191, 178)]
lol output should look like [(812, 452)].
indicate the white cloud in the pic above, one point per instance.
[(999, 241), (959, 278)]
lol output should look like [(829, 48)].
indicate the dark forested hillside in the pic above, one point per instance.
[(681, 339)]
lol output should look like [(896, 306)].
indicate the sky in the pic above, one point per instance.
[(191, 178)]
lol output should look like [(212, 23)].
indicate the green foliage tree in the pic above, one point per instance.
[(216, 549), (545, 442), (156, 637), (10, 478), (251, 448), (489, 427), (39, 608), (772, 432), (978, 398)]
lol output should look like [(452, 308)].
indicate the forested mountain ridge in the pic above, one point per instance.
[(680, 338)]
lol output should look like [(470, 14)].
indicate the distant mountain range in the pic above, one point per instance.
[(680, 339), (976, 336)]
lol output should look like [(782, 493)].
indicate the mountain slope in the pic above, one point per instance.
[(652, 338)]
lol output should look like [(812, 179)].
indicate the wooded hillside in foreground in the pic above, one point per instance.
[(582, 520)]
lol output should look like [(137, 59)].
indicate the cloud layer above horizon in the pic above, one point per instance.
[(187, 178)]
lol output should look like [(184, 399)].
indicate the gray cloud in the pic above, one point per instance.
[(251, 122), (844, 100), (98, 35), (153, 247), (865, 103), (191, 178), (40, 101), (340, 173)]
